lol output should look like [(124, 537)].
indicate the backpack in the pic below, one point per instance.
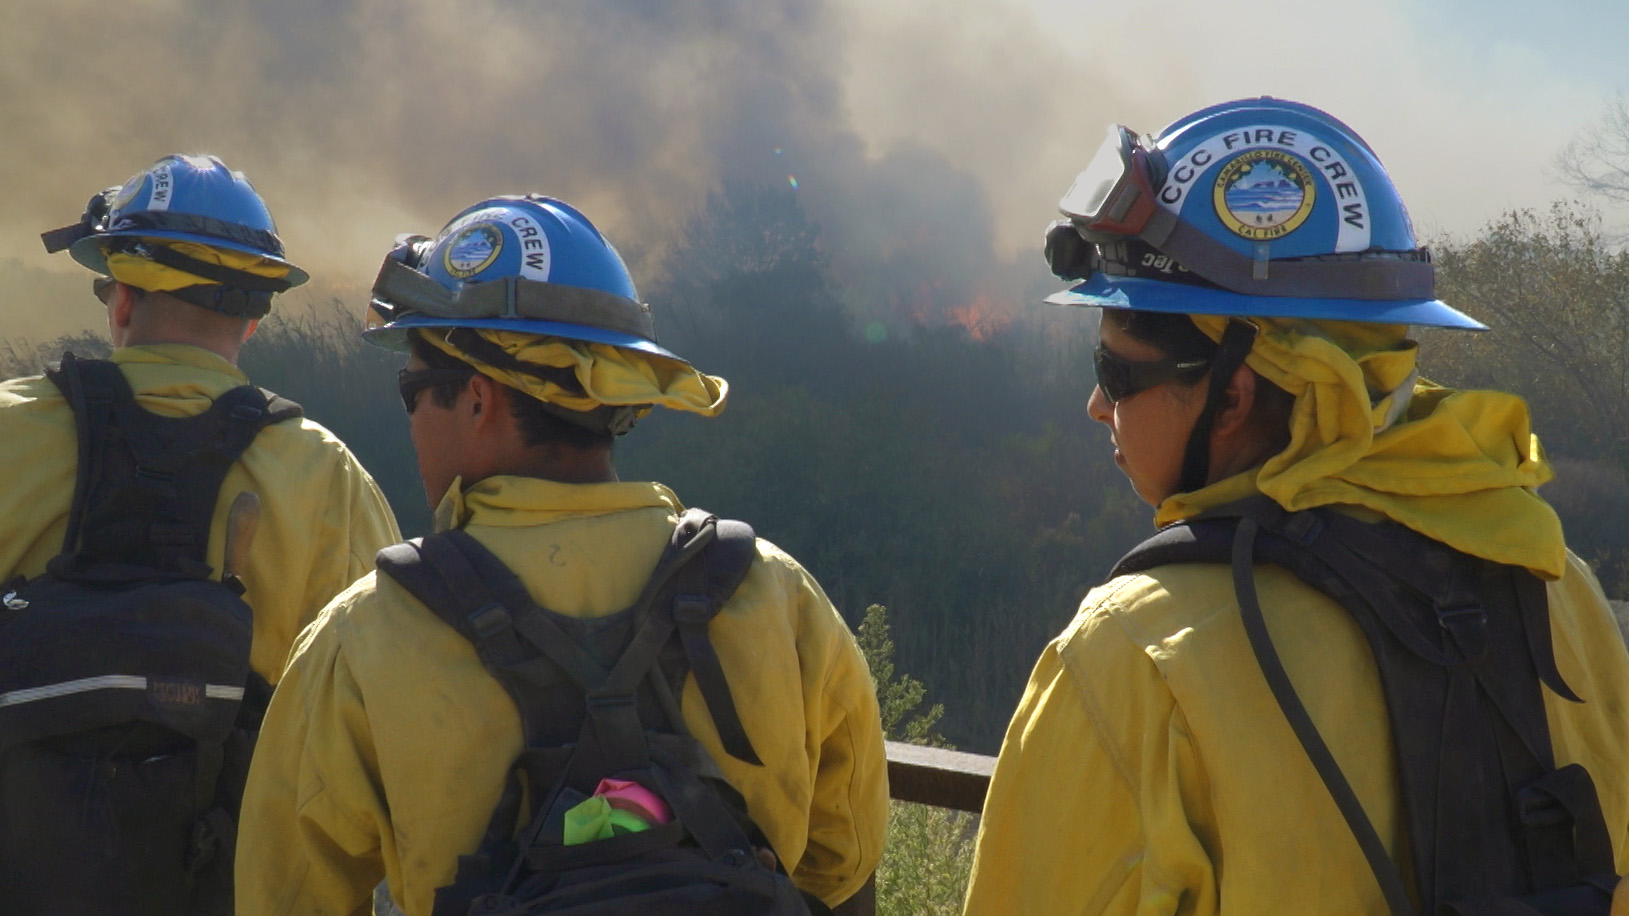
[(1462, 646), (127, 706), (598, 699)]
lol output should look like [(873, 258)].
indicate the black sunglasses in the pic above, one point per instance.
[(412, 381), (1120, 378)]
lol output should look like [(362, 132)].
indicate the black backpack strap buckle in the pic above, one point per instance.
[(490, 620), (1467, 627), (1561, 811), (692, 610)]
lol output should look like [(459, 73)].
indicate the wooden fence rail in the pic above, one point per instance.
[(935, 776)]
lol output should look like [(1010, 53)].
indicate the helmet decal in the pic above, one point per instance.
[(476, 241), (472, 250), (534, 247), (128, 192), (163, 188), (1298, 156), (1264, 194)]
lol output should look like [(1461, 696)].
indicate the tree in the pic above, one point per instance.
[(1556, 295), (1596, 162), (929, 852)]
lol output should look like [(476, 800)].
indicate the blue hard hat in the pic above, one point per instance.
[(530, 264), (184, 198), (1264, 208)]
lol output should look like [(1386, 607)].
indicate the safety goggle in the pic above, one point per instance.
[(1120, 378), (1113, 197), (402, 288), (410, 382)]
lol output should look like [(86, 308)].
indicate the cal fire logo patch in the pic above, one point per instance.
[(472, 250), (1264, 194), (478, 239)]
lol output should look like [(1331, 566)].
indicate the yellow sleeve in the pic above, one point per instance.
[(1592, 659), (1088, 810), (848, 813), (313, 816), (373, 522), (322, 520)]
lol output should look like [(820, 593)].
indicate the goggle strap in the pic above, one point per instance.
[(61, 239), (1236, 342), (237, 303), (226, 276), (195, 224), (407, 290), (1368, 278)]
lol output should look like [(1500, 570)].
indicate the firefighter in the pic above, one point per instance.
[(388, 746), (187, 261), (1256, 273)]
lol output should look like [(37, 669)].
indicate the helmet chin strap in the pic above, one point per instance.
[(1230, 353)]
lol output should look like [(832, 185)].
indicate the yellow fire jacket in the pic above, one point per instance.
[(322, 518), (1149, 770), (387, 745)]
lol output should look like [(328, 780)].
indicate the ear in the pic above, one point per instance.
[(485, 402), (249, 330), (1238, 402), (120, 306)]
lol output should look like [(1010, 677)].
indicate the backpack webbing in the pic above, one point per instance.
[(596, 697), (1462, 646), (147, 484)]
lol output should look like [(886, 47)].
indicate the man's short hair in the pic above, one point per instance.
[(538, 424)]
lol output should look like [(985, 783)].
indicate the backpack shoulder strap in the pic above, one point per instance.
[(1185, 542), (703, 589), (1447, 633), (461, 582), (147, 485), (1227, 535), (90, 410), (279, 408), (704, 563), (1390, 878)]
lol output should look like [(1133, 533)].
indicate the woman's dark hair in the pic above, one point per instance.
[(1178, 337), (538, 426), (1172, 334)]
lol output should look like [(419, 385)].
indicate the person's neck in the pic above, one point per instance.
[(150, 339), (566, 465)]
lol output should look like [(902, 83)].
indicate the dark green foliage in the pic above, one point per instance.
[(929, 853), (955, 480), (898, 699), (1556, 294), (349, 387)]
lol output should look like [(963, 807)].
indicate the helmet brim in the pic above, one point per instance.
[(1103, 291), (88, 250), (393, 336)]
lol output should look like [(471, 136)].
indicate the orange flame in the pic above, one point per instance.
[(979, 318)]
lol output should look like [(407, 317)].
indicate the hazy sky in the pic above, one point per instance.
[(926, 137)]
